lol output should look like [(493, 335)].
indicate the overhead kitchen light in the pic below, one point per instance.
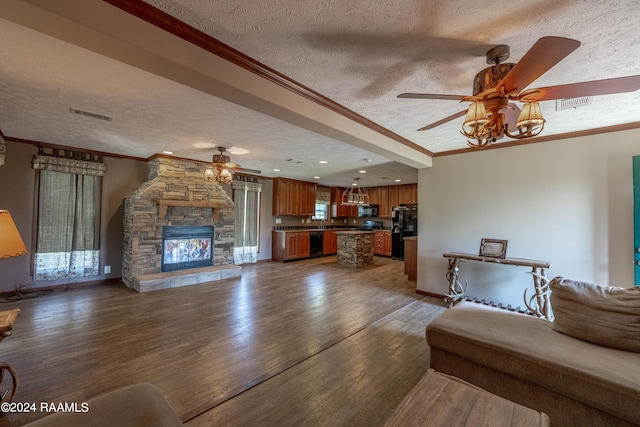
[(355, 195)]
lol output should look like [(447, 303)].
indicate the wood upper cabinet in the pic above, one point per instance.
[(408, 193), (373, 195), (383, 202), (394, 196), (338, 210), (294, 198)]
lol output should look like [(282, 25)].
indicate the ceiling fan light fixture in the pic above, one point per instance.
[(218, 174), (530, 121), (476, 115)]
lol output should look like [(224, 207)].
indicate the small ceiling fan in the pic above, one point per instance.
[(491, 115), (223, 168)]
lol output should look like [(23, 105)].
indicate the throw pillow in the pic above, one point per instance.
[(604, 315)]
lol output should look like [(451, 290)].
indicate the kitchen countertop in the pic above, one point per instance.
[(355, 232), (330, 229)]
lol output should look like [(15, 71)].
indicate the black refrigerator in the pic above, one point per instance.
[(404, 224)]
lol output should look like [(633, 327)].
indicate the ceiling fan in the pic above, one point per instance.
[(222, 168), (491, 115)]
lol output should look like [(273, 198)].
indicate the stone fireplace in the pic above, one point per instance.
[(177, 197)]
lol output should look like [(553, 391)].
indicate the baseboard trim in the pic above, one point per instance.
[(430, 294), (63, 286)]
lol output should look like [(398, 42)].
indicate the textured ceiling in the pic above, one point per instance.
[(360, 54)]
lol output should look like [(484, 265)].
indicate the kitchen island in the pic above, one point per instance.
[(355, 248)]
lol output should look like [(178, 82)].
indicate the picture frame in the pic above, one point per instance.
[(493, 248)]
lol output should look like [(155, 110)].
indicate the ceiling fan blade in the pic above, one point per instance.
[(511, 114), (253, 171), (591, 88), (542, 56), (445, 120), (431, 96)]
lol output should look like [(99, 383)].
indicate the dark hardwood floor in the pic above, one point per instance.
[(300, 343)]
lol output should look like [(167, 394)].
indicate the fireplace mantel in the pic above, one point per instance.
[(213, 204)]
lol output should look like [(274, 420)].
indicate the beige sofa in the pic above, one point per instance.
[(523, 359)]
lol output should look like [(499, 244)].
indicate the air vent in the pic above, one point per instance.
[(90, 114), (294, 161), (567, 103)]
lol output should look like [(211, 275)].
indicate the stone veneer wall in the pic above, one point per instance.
[(172, 179), (355, 249)]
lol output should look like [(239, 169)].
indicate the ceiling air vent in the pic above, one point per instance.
[(90, 114), (294, 161), (565, 104)]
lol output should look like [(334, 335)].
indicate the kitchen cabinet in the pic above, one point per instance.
[(338, 210), (293, 198), (330, 244), (382, 242), (411, 258), (373, 195), (408, 193), (288, 245), (394, 196), (384, 210)]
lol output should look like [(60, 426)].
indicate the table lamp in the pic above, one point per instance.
[(11, 243)]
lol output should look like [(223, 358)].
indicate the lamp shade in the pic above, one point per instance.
[(531, 115), (11, 243), (476, 115)]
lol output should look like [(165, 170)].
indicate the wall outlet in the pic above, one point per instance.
[(332, 221), (345, 221), (278, 221), (308, 220), (107, 269), (302, 220), (354, 221)]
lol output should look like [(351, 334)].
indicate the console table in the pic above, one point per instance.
[(538, 303)]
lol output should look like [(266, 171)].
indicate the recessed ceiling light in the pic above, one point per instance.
[(316, 177), (168, 152), (323, 162), (276, 170), (398, 180), (363, 171)]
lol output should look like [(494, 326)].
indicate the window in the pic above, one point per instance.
[(323, 200), (68, 215), (246, 196), (321, 212)]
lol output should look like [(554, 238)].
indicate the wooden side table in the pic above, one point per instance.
[(440, 400)]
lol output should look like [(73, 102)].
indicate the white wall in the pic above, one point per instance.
[(568, 202)]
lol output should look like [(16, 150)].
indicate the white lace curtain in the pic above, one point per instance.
[(68, 237), (246, 196)]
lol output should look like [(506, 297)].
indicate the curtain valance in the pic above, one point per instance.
[(323, 198), (66, 165), (246, 186)]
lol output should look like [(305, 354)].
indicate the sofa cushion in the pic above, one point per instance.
[(528, 348), (603, 315)]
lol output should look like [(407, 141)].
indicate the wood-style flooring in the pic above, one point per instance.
[(287, 344)]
